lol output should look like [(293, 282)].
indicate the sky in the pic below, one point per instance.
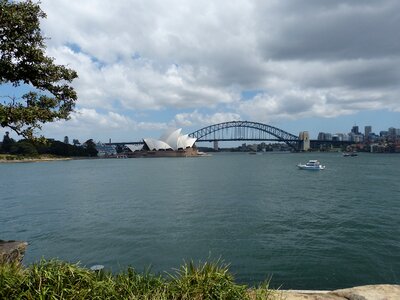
[(146, 65)]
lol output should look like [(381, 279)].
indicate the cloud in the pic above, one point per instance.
[(140, 84), (329, 30), (85, 123), (305, 58), (198, 119)]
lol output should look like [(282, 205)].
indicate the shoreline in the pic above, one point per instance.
[(31, 160)]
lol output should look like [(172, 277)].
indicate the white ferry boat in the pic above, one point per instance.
[(311, 165)]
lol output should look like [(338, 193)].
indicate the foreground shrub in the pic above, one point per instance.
[(60, 280), (132, 285), (205, 281), (12, 280)]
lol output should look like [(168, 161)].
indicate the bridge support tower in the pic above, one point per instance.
[(216, 145), (304, 138)]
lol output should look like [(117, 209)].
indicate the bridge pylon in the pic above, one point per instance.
[(304, 144), (216, 148)]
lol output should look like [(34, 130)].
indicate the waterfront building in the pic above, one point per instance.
[(324, 136), (170, 140), (343, 136), (372, 137), (104, 150), (253, 147), (134, 148), (357, 138), (377, 148), (340, 137), (171, 144)]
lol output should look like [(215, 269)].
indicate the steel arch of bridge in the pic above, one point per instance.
[(245, 131)]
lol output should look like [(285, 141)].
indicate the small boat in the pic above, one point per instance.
[(311, 165), (347, 154)]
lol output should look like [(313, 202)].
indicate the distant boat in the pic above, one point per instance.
[(347, 154), (312, 164)]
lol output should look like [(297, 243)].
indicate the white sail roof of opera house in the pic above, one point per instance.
[(134, 148), (170, 140), (154, 144)]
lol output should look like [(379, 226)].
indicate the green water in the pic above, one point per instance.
[(328, 229)]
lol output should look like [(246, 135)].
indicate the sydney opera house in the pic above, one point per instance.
[(171, 144)]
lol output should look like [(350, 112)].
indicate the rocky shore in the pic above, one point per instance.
[(13, 251), (366, 292)]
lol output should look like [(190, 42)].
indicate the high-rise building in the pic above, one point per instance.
[(66, 140), (355, 130), (383, 133), (340, 137), (324, 136), (367, 131), (392, 131)]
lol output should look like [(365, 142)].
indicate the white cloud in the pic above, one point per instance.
[(139, 84), (198, 119), (306, 58), (89, 123)]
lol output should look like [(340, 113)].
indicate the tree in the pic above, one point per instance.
[(23, 61), (75, 142), (90, 148), (7, 143), (24, 147)]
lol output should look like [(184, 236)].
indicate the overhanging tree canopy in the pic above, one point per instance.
[(23, 61)]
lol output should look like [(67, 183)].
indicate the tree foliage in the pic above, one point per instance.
[(23, 61), (7, 143), (32, 148), (24, 147), (90, 147)]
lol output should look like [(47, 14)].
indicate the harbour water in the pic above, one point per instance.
[(328, 229)]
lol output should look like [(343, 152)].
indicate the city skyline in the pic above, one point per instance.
[(322, 135), (299, 66)]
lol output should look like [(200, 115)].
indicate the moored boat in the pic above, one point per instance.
[(347, 154), (312, 164)]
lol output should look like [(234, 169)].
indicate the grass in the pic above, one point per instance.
[(55, 279), (205, 281)]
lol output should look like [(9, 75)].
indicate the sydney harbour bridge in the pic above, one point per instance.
[(245, 131), (242, 131)]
